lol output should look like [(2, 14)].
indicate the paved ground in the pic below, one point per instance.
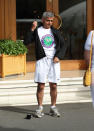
[(74, 117)]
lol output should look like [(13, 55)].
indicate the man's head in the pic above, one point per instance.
[(47, 19)]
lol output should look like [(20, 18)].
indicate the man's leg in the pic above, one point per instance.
[(40, 93), (41, 72), (53, 93), (92, 88)]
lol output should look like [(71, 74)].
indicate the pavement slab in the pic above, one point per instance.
[(74, 117)]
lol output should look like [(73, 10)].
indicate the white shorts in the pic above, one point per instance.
[(45, 68)]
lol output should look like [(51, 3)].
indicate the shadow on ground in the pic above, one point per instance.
[(13, 129)]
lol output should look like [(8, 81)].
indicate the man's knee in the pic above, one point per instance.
[(53, 86), (40, 86)]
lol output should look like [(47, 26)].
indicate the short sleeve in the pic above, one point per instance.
[(88, 41)]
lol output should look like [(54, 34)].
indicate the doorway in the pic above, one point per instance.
[(73, 27), (26, 12)]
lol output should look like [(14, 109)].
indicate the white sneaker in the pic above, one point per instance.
[(39, 113), (54, 112)]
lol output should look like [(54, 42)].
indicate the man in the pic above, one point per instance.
[(49, 48), (87, 58)]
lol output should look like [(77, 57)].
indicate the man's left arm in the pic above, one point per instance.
[(62, 49)]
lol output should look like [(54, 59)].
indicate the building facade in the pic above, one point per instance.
[(76, 17)]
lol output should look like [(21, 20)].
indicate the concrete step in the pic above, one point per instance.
[(23, 92), (29, 83)]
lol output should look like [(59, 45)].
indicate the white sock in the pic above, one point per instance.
[(41, 107), (53, 107)]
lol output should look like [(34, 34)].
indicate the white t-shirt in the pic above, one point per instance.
[(47, 40), (88, 46)]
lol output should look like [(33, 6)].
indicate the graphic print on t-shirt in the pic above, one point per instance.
[(47, 41)]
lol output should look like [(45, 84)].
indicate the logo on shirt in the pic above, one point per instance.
[(47, 41)]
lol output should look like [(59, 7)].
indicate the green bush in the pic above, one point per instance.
[(10, 47)]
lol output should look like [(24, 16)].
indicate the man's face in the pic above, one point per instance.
[(47, 22)]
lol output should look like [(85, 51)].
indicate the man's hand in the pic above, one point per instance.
[(56, 60), (34, 25)]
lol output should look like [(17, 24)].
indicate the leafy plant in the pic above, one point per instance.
[(10, 47)]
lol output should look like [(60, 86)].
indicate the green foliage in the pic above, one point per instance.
[(10, 47)]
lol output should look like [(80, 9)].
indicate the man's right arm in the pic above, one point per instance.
[(34, 25), (30, 35)]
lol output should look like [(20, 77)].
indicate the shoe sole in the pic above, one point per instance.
[(54, 115), (39, 116)]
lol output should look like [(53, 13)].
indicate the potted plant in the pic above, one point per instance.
[(12, 57)]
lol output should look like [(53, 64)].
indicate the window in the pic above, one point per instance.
[(26, 12), (73, 14)]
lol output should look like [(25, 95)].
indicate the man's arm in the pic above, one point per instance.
[(87, 57), (63, 46), (34, 25), (56, 60), (30, 35)]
